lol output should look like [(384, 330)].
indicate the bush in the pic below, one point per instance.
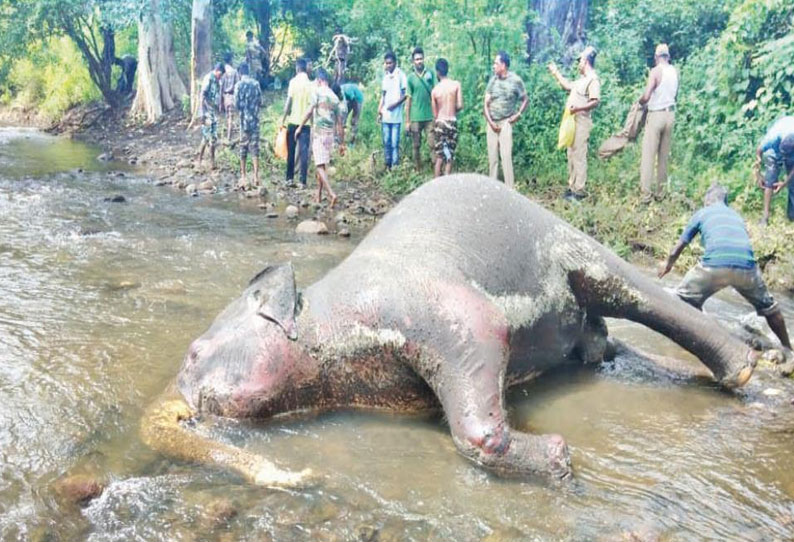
[(51, 79)]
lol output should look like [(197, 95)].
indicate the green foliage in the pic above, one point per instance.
[(741, 82), (51, 78), (734, 57)]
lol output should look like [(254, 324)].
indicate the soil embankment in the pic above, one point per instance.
[(166, 153)]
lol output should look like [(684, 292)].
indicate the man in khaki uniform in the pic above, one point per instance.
[(584, 94), (659, 97), (505, 101)]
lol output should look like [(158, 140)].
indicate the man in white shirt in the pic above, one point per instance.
[(390, 108), (659, 97)]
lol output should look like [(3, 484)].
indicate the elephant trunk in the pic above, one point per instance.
[(626, 293), (164, 429)]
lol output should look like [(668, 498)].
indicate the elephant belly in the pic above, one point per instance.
[(548, 343)]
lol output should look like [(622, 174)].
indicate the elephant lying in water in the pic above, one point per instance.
[(463, 289)]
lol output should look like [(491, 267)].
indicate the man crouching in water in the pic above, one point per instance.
[(728, 260)]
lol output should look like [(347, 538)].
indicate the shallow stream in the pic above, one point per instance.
[(99, 301)]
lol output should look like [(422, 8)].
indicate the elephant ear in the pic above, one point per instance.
[(278, 297)]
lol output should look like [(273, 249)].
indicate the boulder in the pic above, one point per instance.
[(312, 226), (78, 488), (291, 212), (192, 188), (207, 186)]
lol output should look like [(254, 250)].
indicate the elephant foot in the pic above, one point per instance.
[(559, 458), (539, 455), (740, 377)]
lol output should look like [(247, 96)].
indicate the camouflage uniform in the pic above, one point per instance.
[(247, 99), (210, 96)]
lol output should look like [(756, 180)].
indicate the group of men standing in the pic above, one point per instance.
[(232, 91), (431, 102), (328, 105)]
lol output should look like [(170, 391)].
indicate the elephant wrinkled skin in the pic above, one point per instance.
[(464, 288)]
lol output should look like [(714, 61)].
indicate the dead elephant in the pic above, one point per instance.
[(463, 289)]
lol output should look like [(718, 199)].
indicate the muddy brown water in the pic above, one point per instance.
[(98, 302)]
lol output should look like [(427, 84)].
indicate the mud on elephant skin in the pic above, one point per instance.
[(463, 289)]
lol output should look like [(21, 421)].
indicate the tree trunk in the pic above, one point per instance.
[(200, 47), (100, 64), (159, 86), (558, 30)]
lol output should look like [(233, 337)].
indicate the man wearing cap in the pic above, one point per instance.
[(728, 260), (776, 153), (659, 98), (584, 94)]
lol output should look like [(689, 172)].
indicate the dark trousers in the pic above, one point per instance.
[(304, 139)]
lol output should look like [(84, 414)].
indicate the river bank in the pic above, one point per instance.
[(166, 153), (642, 234)]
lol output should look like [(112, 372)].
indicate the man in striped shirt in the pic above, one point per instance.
[(728, 260)]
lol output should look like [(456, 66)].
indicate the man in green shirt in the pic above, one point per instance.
[(420, 113)]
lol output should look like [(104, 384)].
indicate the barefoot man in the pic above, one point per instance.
[(247, 101), (209, 97), (325, 107), (447, 101)]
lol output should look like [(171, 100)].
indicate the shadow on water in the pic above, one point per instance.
[(100, 300)]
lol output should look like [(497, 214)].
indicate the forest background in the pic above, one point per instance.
[(735, 57)]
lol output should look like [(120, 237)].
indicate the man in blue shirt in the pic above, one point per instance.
[(776, 153), (354, 99), (728, 260)]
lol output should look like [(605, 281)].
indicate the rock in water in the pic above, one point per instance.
[(78, 488), (118, 198), (291, 211), (312, 226)]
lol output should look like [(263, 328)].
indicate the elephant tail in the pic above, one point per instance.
[(164, 428)]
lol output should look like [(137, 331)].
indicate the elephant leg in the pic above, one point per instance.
[(163, 429), (477, 418), (465, 365), (626, 293)]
